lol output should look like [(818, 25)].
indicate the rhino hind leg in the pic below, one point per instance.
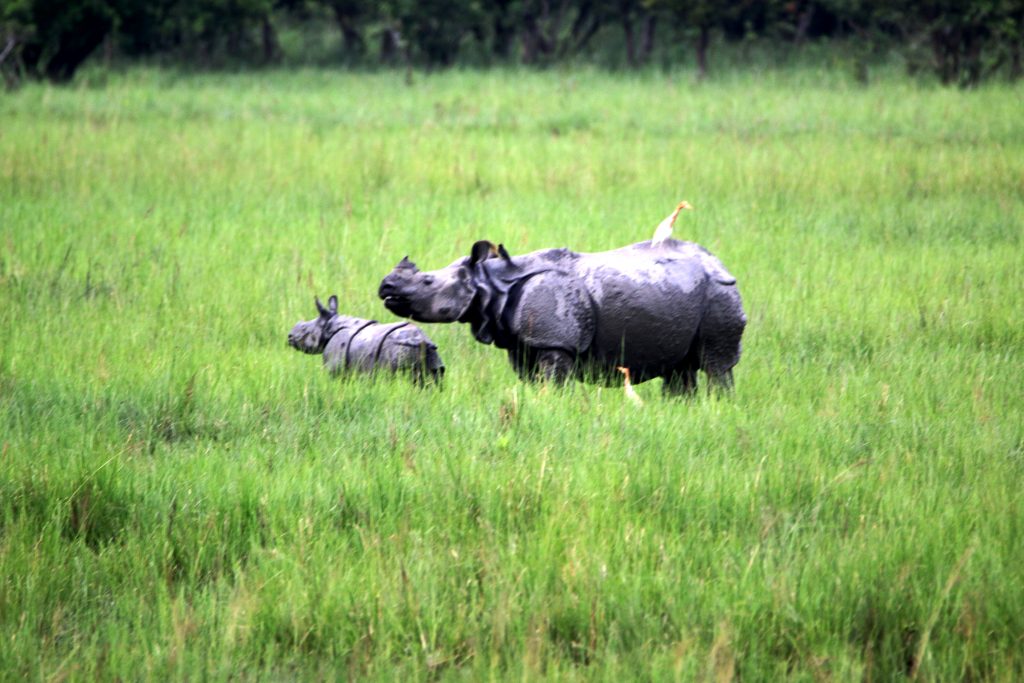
[(421, 361), (718, 357), (720, 383), (428, 369), (718, 341), (681, 382), (682, 379)]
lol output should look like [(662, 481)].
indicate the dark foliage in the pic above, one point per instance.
[(960, 42)]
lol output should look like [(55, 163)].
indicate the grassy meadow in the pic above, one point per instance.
[(184, 497)]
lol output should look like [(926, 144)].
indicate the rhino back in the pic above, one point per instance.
[(354, 346), (366, 345), (644, 304), (649, 306), (409, 347)]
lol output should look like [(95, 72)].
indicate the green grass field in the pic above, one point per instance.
[(183, 497)]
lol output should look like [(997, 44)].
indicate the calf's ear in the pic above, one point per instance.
[(320, 307), (482, 251), (332, 304)]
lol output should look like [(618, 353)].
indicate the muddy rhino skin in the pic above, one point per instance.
[(662, 311)]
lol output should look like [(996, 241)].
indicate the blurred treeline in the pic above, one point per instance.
[(961, 42)]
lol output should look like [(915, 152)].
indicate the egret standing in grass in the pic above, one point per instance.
[(664, 229), (628, 388)]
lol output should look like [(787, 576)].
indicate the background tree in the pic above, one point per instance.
[(50, 38), (960, 41), (551, 30), (969, 40), (639, 21), (698, 18), (437, 29), (351, 17)]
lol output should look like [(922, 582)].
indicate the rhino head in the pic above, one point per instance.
[(312, 336), (435, 296)]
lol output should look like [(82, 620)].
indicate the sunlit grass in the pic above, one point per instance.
[(182, 495)]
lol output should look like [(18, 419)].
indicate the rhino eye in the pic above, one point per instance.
[(428, 279)]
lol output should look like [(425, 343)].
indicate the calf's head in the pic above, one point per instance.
[(434, 296), (311, 336)]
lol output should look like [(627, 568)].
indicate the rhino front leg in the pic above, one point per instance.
[(720, 382), (681, 382), (532, 364), (553, 365)]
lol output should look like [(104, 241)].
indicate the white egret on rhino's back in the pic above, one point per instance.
[(664, 229)]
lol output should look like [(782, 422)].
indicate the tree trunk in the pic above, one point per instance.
[(74, 45), (552, 40), (503, 36), (530, 39), (352, 42), (390, 45), (234, 42), (108, 50), (8, 48), (271, 46), (946, 54), (973, 43), (584, 27), (627, 27), (10, 74), (647, 43), (804, 23), (1016, 48), (702, 52)]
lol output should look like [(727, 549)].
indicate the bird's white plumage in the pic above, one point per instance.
[(631, 394), (664, 229), (662, 232)]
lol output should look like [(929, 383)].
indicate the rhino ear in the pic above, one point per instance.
[(332, 304), (504, 254), (482, 251), (320, 307)]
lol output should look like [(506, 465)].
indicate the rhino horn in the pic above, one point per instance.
[(406, 263)]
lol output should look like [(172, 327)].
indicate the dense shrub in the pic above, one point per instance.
[(960, 42)]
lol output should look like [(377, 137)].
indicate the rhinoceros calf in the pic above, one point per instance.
[(357, 344), (660, 311)]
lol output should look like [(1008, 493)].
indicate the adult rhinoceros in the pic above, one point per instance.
[(662, 311)]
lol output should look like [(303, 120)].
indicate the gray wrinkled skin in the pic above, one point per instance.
[(664, 311), (357, 344)]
